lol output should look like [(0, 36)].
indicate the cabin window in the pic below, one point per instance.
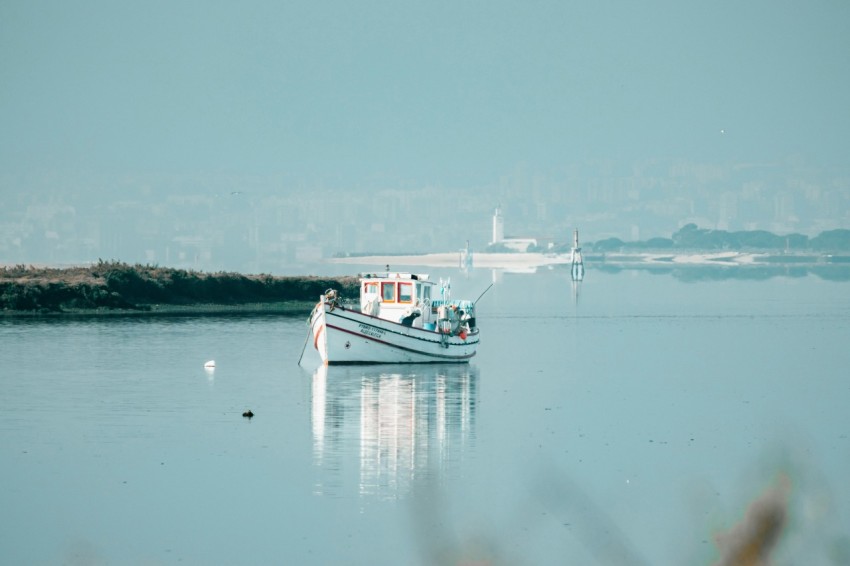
[(426, 293), (405, 292), (370, 288), (388, 292)]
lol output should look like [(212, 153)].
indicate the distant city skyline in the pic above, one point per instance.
[(252, 224)]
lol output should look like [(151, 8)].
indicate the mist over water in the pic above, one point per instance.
[(627, 421)]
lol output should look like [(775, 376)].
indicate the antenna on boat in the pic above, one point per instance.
[(475, 302), (446, 288)]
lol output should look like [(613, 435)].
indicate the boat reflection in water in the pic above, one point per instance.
[(396, 423)]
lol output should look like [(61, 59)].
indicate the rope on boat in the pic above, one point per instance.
[(331, 298)]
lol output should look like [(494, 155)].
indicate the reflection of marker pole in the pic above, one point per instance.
[(481, 295)]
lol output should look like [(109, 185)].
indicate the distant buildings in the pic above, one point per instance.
[(278, 224), (513, 244)]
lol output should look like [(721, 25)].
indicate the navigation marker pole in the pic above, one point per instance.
[(576, 261)]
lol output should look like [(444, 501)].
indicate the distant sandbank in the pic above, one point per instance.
[(532, 260), (485, 260)]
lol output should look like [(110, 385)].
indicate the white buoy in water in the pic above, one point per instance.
[(210, 364)]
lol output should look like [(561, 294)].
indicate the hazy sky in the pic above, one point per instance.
[(432, 91)]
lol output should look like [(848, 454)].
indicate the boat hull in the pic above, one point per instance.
[(346, 336)]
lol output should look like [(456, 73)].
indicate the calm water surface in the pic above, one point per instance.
[(625, 421)]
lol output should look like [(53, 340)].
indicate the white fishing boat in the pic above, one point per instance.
[(400, 318)]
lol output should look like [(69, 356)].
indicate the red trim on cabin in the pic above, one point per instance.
[(385, 285), (409, 286)]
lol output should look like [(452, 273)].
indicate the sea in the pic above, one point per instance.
[(634, 417)]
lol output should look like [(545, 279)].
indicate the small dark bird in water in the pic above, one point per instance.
[(248, 414)]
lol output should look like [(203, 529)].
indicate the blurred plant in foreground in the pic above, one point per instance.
[(778, 527), (750, 542)]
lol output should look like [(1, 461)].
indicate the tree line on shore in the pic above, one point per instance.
[(111, 285), (692, 237)]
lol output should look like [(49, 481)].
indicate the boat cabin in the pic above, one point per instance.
[(413, 300), (394, 296)]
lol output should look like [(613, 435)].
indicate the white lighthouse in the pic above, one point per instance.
[(498, 226), (513, 244)]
